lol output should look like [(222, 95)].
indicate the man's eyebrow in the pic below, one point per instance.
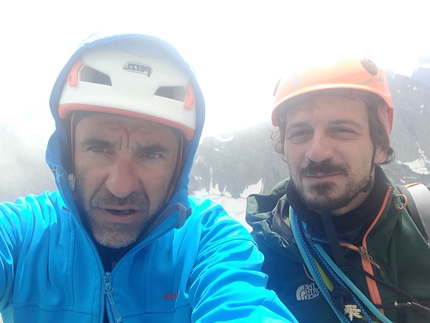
[(346, 121), (96, 142), (297, 125), (334, 122), (151, 148)]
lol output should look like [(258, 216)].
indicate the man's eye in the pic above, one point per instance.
[(151, 155), (98, 149), (298, 134), (343, 130)]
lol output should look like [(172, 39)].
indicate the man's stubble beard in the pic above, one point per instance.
[(115, 235), (321, 197)]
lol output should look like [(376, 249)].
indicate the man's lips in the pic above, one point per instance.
[(120, 212), (321, 175), (120, 215)]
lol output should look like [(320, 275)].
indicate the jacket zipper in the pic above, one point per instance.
[(367, 260), (108, 291), (367, 257)]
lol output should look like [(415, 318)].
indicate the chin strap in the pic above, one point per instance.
[(333, 241), (369, 185), (72, 181)]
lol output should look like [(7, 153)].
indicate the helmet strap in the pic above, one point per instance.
[(71, 176), (369, 184), (72, 139), (178, 168)]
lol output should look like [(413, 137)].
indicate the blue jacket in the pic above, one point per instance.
[(196, 265)]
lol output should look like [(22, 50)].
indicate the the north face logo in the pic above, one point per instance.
[(307, 291)]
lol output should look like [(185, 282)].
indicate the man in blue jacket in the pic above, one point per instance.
[(121, 240)]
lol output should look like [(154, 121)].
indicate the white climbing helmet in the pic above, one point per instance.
[(132, 77)]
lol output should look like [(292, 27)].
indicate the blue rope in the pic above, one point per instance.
[(329, 264), (310, 263), (335, 274), (340, 278)]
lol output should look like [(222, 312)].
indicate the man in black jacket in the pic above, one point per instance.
[(339, 244)]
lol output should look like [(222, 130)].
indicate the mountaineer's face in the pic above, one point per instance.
[(329, 152), (124, 169)]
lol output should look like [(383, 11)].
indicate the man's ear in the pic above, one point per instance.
[(380, 155)]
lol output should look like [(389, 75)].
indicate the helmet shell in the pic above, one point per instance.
[(355, 75), (131, 77)]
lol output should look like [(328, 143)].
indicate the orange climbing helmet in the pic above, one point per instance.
[(348, 76)]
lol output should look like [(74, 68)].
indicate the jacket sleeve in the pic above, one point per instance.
[(227, 284), (8, 244), (23, 240)]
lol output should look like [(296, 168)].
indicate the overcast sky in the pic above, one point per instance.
[(238, 48)]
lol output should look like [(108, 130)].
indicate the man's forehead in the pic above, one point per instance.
[(87, 121)]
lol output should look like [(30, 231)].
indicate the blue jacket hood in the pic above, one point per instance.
[(58, 154)]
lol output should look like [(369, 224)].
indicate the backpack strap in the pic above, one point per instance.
[(418, 206)]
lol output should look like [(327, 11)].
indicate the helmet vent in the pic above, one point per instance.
[(177, 93), (91, 75)]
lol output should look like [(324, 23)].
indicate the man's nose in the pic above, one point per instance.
[(320, 148), (122, 179)]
